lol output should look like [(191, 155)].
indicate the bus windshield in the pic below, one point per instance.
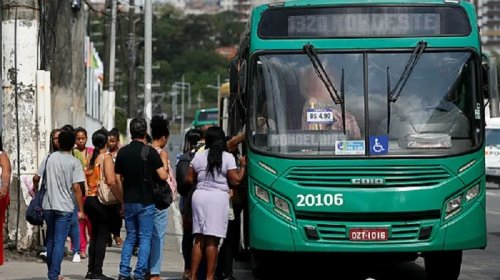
[(437, 111)]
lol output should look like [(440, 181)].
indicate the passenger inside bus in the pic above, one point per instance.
[(429, 112), (264, 123), (319, 111)]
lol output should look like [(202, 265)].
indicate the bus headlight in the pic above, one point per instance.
[(453, 206), (282, 208), (472, 192), (281, 204), (262, 194)]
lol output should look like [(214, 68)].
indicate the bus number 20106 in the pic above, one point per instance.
[(320, 200)]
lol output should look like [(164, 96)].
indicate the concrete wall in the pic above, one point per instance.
[(19, 68)]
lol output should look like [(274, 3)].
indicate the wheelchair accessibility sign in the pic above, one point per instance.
[(379, 145)]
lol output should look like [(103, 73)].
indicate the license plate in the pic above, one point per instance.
[(368, 234)]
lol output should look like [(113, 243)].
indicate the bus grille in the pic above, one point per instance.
[(394, 176)]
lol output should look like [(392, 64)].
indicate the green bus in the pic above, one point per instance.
[(364, 129), (204, 117)]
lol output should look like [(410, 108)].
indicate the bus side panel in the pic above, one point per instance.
[(267, 231), (468, 231)]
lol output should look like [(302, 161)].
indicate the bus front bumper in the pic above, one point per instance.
[(270, 232)]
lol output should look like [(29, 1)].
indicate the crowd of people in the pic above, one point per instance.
[(75, 177)]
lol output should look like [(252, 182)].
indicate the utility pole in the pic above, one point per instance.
[(112, 47), (20, 21), (182, 106), (132, 56), (148, 32), (109, 95)]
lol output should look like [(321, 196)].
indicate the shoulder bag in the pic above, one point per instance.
[(104, 193), (162, 194), (34, 212)]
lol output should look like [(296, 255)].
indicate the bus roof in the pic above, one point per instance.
[(471, 40), (371, 2)]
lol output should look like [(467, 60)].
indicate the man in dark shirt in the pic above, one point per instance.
[(139, 208)]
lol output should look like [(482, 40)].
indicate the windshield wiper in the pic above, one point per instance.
[(410, 65), (393, 94), (320, 71), (323, 76)]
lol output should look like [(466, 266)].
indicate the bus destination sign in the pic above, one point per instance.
[(347, 25), (364, 21)]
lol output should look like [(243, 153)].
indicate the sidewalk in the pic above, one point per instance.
[(172, 268)]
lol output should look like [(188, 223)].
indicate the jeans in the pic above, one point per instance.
[(58, 224), (157, 241), (139, 221), (74, 233)]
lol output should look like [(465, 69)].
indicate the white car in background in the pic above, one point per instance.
[(492, 150)]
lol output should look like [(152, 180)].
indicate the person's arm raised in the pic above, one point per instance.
[(236, 176)]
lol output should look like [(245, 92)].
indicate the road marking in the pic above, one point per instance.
[(493, 212), (492, 193)]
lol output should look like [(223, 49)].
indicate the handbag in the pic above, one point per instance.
[(104, 193), (162, 194), (34, 212)]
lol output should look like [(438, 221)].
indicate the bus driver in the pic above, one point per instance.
[(319, 111)]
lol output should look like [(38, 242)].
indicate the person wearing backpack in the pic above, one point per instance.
[(138, 201), (191, 139), (159, 134)]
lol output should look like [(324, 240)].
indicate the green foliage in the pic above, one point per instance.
[(186, 45)]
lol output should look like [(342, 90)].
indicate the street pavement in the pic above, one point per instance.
[(477, 264), (172, 268)]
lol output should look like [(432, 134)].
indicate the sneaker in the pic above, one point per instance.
[(76, 258), (90, 275), (43, 256), (124, 278)]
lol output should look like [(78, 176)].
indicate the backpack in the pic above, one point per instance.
[(34, 212), (162, 194), (181, 170)]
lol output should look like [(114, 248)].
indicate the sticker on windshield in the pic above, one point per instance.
[(319, 116), (350, 147), (379, 145)]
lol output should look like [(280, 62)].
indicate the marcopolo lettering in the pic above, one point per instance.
[(367, 181)]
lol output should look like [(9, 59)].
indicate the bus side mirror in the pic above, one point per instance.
[(237, 75)]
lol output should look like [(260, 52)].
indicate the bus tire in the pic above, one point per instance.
[(260, 264), (444, 265)]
